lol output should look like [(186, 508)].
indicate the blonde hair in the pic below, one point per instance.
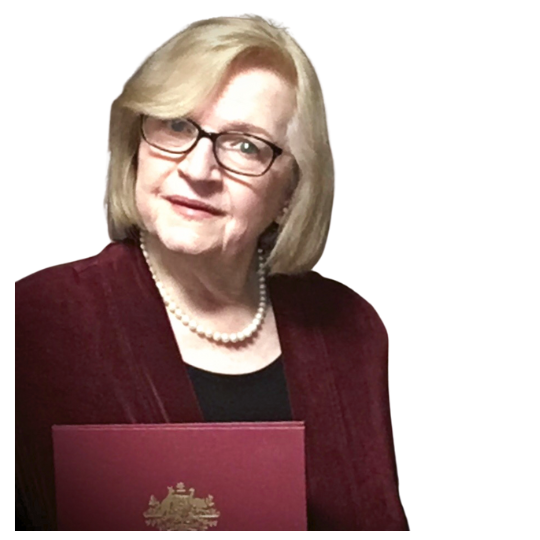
[(179, 76)]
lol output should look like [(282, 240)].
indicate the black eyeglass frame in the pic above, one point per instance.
[(213, 136)]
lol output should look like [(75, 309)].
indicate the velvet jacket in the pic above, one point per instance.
[(94, 346)]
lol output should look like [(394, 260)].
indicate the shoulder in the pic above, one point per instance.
[(58, 281), (325, 300), (61, 312), (313, 289), (68, 294)]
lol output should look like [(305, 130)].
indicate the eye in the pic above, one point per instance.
[(242, 148), (180, 125), (247, 147)]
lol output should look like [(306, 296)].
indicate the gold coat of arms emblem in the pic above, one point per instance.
[(180, 510)]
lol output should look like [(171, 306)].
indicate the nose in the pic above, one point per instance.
[(200, 162)]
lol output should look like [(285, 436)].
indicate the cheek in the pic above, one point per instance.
[(262, 204), (151, 173), (279, 191), (146, 186), (146, 172), (142, 190)]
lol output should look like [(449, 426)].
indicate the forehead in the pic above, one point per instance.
[(256, 96)]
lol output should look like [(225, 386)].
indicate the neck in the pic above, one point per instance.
[(210, 288)]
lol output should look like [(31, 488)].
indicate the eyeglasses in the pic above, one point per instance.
[(235, 151)]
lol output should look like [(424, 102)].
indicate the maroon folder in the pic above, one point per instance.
[(228, 476)]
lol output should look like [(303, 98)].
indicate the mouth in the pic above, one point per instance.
[(196, 207)]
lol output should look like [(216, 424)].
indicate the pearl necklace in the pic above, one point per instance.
[(197, 328)]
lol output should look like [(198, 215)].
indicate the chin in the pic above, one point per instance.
[(182, 240)]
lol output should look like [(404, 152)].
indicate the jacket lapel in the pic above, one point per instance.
[(150, 364), (305, 326)]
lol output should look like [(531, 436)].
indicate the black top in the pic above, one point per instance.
[(260, 396)]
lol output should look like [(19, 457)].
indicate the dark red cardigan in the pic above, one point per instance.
[(94, 346)]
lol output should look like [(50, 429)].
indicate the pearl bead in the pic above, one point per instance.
[(217, 336), (234, 338)]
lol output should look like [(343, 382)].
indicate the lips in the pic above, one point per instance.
[(194, 204)]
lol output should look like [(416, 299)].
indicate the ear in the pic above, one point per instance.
[(280, 218), (289, 194)]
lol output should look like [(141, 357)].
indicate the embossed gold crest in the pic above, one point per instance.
[(180, 510)]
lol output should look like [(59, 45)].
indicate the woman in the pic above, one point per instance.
[(219, 200)]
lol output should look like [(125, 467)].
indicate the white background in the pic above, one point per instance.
[(434, 117)]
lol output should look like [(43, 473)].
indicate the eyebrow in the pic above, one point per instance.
[(248, 128)]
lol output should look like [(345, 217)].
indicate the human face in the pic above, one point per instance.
[(193, 205)]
